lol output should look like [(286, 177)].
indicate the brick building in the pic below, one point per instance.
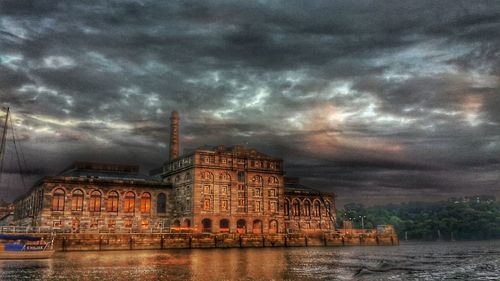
[(218, 189), (96, 196)]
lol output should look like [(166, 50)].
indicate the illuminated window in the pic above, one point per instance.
[(58, 200), (77, 200), (129, 202), (223, 190), (145, 203), (272, 192), (206, 205), (111, 223), (95, 201), (145, 223), (112, 202)]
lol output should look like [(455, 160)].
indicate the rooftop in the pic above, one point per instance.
[(104, 171)]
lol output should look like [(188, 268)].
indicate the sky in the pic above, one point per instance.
[(378, 101)]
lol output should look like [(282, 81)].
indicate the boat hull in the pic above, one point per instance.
[(23, 255)]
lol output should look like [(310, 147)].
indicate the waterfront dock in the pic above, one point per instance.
[(159, 241)]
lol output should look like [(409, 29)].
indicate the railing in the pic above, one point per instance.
[(49, 229)]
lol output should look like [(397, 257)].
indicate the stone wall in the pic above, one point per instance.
[(104, 242)]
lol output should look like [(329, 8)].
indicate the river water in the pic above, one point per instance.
[(409, 261)]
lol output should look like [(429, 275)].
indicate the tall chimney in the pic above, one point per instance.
[(174, 135)]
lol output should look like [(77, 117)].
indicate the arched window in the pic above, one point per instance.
[(176, 223), (241, 226), (224, 225), (129, 202), (273, 226), (287, 208), (58, 200), (296, 208), (257, 180), (257, 227), (145, 203), (307, 208), (206, 225), (161, 203), (112, 202), (95, 201), (317, 209), (77, 200), (273, 180)]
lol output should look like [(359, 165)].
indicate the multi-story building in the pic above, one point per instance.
[(219, 189)]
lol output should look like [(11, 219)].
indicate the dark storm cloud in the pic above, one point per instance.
[(376, 100)]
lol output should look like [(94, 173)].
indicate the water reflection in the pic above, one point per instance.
[(424, 261)]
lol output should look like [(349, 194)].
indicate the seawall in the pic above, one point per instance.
[(112, 241)]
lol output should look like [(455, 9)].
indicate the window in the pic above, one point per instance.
[(112, 202), (241, 176), (296, 208), (316, 209), (287, 208), (206, 205), (224, 205), (206, 225), (272, 207), (95, 201), (272, 192), (257, 192), (161, 203), (111, 223), (241, 202), (145, 223), (206, 189), (223, 190), (77, 200), (307, 208), (129, 202), (145, 203), (224, 225), (58, 200), (257, 206)]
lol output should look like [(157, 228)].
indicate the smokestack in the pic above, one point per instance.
[(174, 135)]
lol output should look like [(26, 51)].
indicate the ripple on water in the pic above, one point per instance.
[(417, 261)]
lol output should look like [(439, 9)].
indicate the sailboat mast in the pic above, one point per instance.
[(2, 146)]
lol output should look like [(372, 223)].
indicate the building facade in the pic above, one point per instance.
[(92, 196), (217, 190)]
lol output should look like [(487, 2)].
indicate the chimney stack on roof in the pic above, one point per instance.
[(174, 135)]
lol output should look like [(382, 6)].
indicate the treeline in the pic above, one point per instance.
[(446, 220)]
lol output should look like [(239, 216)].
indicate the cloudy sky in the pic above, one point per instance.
[(379, 101)]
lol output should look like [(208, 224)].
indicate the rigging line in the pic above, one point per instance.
[(20, 147), (18, 158), (2, 146)]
